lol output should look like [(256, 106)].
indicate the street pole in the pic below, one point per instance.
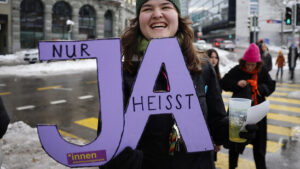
[(254, 28), (281, 37), (293, 35)]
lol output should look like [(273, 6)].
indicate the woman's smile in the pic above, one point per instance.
[(158, 19)]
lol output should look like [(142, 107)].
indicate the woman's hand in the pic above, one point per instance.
[(242, 83), (217, 148)]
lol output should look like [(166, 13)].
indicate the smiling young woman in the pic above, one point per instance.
[(162, 19), (158, 19)]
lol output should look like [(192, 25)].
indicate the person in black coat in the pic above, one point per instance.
[(250, 80), (215, 60), (4, 119), (266, 57), (292, 62)]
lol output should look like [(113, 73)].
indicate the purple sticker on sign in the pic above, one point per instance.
[(86, 157), (122, 129)]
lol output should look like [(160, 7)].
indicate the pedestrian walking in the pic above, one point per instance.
[(4, 121), (280, 62), (162, 19), (266, 57), (215, 59), (293, 51), (249, 79)]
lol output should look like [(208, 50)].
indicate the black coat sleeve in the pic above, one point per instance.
[(217, 119), (230, 81), (269, 63), (4, 119), (266, 86)]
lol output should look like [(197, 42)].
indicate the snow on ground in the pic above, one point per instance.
[(16, 58), (49, 69), (22, 149)]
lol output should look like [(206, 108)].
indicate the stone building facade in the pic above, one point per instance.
[(34, 20), (5, 26)]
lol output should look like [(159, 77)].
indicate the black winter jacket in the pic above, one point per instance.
[(266, 86), (267, 61), (4, 119), (154, 142)]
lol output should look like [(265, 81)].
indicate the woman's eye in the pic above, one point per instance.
[(167, 7), (146, 9)]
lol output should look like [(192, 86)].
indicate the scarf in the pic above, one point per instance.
[(253, 84), (144, 44)]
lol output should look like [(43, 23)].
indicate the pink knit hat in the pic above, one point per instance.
[(252, 54)]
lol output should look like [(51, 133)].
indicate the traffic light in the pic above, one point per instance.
[(288, 15), (255, 21), (250, 22)]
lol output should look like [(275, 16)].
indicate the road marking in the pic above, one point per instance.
[(288, 84), (67, 89), (284, 100), (286, 89), (66, 134), (285, 118), (92, 82), (91, 123), (222, 162), (274, 93), (272, 146), (2, 85), (26, 107), (277, 107), (285, 108), (279, 94), (58, 102), (49, 88), (284, 131), (5, 93), (85, 97)]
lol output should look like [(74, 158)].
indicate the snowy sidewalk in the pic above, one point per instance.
[(22, 149)]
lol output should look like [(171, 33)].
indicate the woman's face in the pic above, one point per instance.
[(250, 66), (158, 19), (214, 59), (264, 48)]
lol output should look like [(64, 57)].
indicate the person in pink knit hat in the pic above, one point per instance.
[(249, 79)]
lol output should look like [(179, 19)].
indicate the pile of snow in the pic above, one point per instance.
[(52, 68), (16, 58), (295, 95), (22, 149), (296, 133), (227, 60)]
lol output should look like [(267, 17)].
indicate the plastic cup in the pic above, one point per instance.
[(237, 116)]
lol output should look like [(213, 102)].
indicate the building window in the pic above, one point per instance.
[(253, 7), (87, 21), (61, 12), (3, 1), (108, 24), (32, 23)]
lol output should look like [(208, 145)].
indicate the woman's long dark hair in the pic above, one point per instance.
[(132, 37), (209, 53)]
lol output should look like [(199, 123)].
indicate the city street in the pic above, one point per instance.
[(72, 103)]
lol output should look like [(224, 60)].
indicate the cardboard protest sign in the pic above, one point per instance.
[(181, 100)]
